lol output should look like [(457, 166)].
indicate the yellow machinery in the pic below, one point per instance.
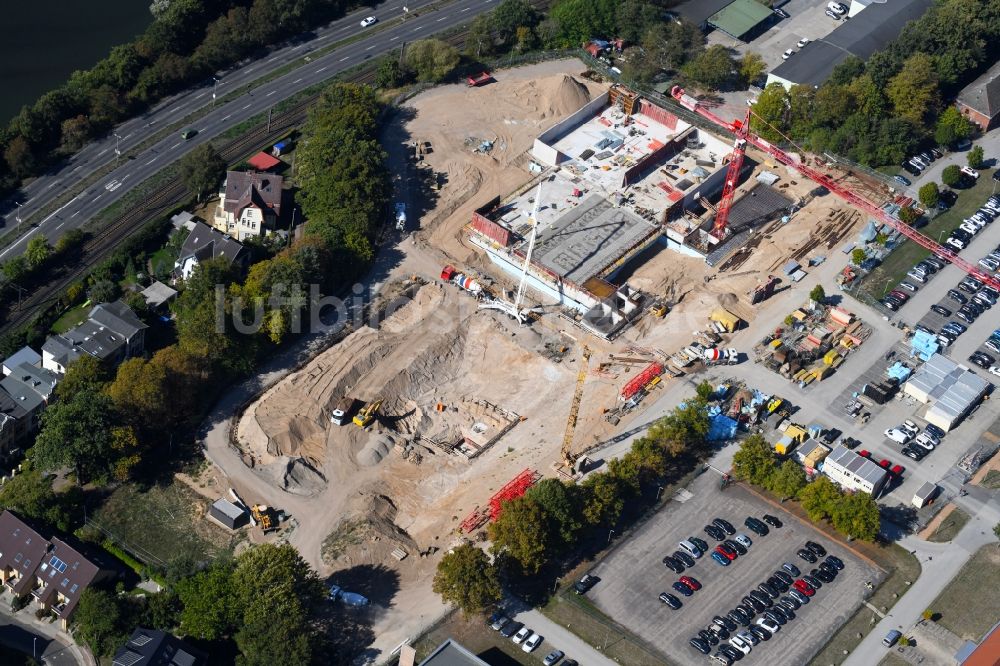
[(660, 310), (574, 409), (262, 515), (364, 418)]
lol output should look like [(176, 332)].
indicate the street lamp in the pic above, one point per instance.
[(18, 216), (887, 282), (118, 147), (610, 534), (940, 235), (215, 89), (34, 641)]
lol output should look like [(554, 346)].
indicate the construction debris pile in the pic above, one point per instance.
[(816, 340)]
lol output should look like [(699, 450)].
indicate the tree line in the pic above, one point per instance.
[(878, 112), (187, 42), (854, 514), (554, 520)]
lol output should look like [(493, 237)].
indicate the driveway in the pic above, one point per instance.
[(559, 638), (24, 633), (991, 150)]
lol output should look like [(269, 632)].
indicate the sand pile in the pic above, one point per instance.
[(560, 96)]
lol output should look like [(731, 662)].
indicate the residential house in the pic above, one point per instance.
[(450, 653), (854, 472), (249, 204), (150, 647), (980, 100), (53, 572), (158, 295), (203, 243), (22, 355), (24, 393), (112, 332)]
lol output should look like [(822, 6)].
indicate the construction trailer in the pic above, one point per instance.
[(228, 514)]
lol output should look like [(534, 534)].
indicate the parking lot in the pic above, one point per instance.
[(633, 576)]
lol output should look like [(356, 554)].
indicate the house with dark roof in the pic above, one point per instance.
[(249, 204), (112, 332), (203, 243), (53, 572), (22, 355), (452, 653), (980, 100), (150, 647), (871, 30), (24, 393)]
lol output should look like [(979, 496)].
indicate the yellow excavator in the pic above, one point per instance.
[(367, 414), (574, 409)]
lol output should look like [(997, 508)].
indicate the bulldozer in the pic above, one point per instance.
[(364, 418), (262, 516)]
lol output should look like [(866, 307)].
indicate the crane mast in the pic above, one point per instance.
[(741, 130)]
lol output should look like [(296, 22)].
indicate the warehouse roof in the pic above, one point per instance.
[(699, 11), (869, 31), (740, 17), (856, 464)]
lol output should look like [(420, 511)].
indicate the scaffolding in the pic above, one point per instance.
[(515, 488)]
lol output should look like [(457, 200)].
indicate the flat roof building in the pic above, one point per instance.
[(877, 24), (854, 472), (952, 390), (743, 19)]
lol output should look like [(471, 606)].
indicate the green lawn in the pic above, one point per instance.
[(71, 318), (992, 480), (970, 605), (894, 268), (950, 526)]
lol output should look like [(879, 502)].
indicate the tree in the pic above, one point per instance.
[(99, 621), (952, 127), (522, 534), (15, 269), (37, 252), (751, 67), (819, 497), (951, 175), (560, 503), (30, 493), (713, 69), (19, 157), (858, 256), (479, 41), (201, 169), (908, 215), (431, 59), (668, 45), (604, 499), (582, 20), (86, 374), (769, 112), (817, 294), (103, 291), (704, 390), (754, 462), (634, 18), (929, 195), (139, 393), (206, 605), (78, 433), (683, 430), (788, 480), (389, 74), (511, 15), (914, 90), (856, 515), (974, 158), (75, 133), (466, 578)]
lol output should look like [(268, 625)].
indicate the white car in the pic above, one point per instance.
[(927, 441), (368, 20), (532, 643), (803, 42), (788, 54), (519, 637), (897, 435), (995, 370), (910, 427), (837, 8), (969, 171), (740, 644), (773, 627), (744, 540)]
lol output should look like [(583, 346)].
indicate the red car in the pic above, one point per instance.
[(804, 587), (726, 552), (897, 470), (884, 463), (691, 582), (864, 453)]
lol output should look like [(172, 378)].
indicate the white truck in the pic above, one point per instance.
[(341, 411), (400, 216)]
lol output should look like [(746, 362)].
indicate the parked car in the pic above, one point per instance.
[(903, 180), (683, 558), (498, 620), (702, 546), (791, 569), (772, 520), (817, 549), (672, 564), (720, 558), (690, 548), (553, 657), (682, 588), (715, 532), (970, 172), (724, 525), (802, 42), (532, 643), (941, 310), (897, 435), (700, 645), (807, 555), (511, 628), (519, 637), (743, 540), (771, 626), (670, 600), (787, 54), (835, 561), (691, 582), (756, 526)]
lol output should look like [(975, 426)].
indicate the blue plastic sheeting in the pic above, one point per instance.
[(714, 410), (815, 430), (759, 399), (924, 344), (721, 391), (868, 234), (721, 427), (899, 371)]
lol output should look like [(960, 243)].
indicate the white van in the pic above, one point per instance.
[(690, 548)]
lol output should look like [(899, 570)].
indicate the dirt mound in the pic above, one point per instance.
[(296, 476), (562, 95)]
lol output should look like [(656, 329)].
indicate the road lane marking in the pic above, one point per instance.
[(273, 59), (270, 93), (127, 135), (467, 9), (77, 168), (175, 145), (344, 58), (201, 95), (227, 118), (74, 214), (296, 80), (418, 28), (60, 226), (149, 162), (125, 176), (102, 152), (370, 47), (392, 39), (95, 198), (443, 18), (246, 107), (50, 186), (320, 69), (176, 108)]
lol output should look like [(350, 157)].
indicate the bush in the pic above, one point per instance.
[(431, 59), (975, 157), (952, 175), (929, 195)]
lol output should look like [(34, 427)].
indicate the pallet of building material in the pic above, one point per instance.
[(399, 553)]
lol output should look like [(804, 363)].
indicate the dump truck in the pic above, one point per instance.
[(340, 412)]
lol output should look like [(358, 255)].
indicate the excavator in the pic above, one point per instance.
[(367, 414), (574, 409)]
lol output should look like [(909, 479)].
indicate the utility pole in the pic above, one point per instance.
[(291, 229), (118, 147), (269, 119), (215, 89)]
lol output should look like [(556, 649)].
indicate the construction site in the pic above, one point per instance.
[(569, 267)]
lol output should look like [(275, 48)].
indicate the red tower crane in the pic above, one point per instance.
[(742, 131)]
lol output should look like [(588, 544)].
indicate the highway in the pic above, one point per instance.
[(393, 30)]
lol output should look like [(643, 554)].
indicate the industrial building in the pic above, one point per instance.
[(740, 19), (618, 176), (872, 27), (854, 472), (951, 390)]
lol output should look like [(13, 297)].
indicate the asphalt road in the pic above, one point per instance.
[(85, 204)]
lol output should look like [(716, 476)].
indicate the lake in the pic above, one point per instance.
[(45, 41)]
